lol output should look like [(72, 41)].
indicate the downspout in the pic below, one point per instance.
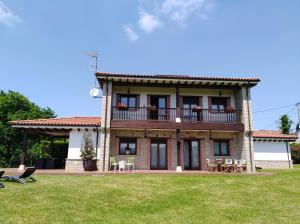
[(288, 154), (105, 125), (97, 141), (250, 130)]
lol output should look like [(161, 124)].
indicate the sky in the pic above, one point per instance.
[(44, 45)]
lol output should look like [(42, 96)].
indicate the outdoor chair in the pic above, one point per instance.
[(130, 163), (258, 168), (237, 164), (24, 177), (1, 174), (113, 163), (244, 165), (211, 165), (228, 165)]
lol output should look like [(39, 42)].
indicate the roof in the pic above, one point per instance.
[(185, 77), (273, 134), (68, 121)]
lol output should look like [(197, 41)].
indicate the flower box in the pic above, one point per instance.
[(122, 106), (229, 110), (151, 108), (197, 109)]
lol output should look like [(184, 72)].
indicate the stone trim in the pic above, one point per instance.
[(273, 164)]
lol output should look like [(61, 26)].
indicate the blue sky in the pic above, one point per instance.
[(43, 47)]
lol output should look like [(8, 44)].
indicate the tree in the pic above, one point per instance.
[(285, 124), (15, 106)]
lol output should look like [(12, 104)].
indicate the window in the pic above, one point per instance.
[(128, 100), (127, 146), (221, 148), (218, 103)]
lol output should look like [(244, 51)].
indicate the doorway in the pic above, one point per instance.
[(191, 155), (160, 103), (158, 154)]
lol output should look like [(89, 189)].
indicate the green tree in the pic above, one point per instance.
[(15, 106), (285, 124)]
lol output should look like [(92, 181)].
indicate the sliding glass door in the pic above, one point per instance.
[(191, 155)]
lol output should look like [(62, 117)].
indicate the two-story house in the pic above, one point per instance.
[(166, 122)]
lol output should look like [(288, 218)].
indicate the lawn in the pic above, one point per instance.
[(154, 198)]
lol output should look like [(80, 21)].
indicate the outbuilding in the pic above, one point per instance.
[(272, 149)]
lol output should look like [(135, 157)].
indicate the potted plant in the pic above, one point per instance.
[(122, 106), (229, 109), (151, 108), (88, 154), (197, 109)]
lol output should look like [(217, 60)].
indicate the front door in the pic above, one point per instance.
[(158, 154), (160, 103), (191, 155)]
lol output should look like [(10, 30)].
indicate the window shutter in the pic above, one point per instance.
[(228, 102), (209, 102), (200, 101), (180, 101), (138, 100), (118, 99), (148, 100)]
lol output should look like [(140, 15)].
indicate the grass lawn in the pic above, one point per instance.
[(154, 198)]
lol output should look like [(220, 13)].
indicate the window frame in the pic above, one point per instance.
[(218, 104), (128, 96), (220, 141), (128, 141)]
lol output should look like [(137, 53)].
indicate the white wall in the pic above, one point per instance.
[(144, 91), (272, 151), (76, 140)]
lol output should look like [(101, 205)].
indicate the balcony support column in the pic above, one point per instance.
[(178, 142), (24, 149)]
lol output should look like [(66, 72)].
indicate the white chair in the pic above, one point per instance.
[(237, 165), (122, 165), (130, 163)]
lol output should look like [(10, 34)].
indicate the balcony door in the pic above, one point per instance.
[(190, 102), (158, 155), (191, 155), (160, 105)]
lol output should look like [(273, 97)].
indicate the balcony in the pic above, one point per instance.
[(165, 118)]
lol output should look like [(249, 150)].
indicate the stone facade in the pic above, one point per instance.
[(276, 164), (74, 165), (142, 158)]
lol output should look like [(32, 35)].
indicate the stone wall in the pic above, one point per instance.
[(276, 164), (74, 165)]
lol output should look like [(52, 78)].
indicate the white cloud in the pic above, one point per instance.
[(148, 22), (7, 17), (130, 33), (180, 10)]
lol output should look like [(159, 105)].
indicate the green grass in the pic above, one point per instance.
[(152, 198), (296, 166)]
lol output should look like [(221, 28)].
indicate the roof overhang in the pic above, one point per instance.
[(177, 80)]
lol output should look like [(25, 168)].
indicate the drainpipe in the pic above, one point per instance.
[(250, 130), (105, 125), (97, 141), (287, 151)]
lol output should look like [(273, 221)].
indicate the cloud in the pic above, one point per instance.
[(148, 22), (7, 17), (130, 33), (180, 10)]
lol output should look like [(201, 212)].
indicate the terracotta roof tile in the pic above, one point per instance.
[(68, 121), (174, 76), (273, 134)]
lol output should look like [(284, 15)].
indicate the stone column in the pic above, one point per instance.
[(243, 102), (104, 131)]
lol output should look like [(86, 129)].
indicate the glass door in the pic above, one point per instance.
[(191, 155), (189, 115), (158, 154), (160, 104)]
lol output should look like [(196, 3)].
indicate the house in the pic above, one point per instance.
[(166, 122), (272, 149)]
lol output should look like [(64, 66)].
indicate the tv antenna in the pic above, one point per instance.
[(96, 91)]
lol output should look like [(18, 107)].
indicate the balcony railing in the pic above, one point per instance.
[(169, 114)]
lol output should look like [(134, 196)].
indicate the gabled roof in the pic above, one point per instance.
[(68, 121), (273, 134), (185, 78)]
